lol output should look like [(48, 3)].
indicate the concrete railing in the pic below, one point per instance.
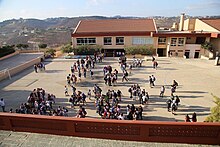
[(12, 71), (146, 131)]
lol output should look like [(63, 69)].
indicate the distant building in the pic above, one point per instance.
[(114, 34), (186, 37)]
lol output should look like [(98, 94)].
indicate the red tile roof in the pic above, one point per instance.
[(115, 26), (215, 23)]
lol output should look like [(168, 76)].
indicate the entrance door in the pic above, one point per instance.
[(161, 52), (196, 55), (187, 54), (114, 52)]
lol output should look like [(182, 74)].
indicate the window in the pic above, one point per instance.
[(142, 40), (180, 41), (173, 41), (162, 40), (83, 41), (119, 40), (107, 40)]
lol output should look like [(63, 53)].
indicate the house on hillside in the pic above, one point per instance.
[(114, 34)]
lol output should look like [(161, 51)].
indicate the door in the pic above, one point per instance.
[(196, 55), (187, 54), (161, 52)]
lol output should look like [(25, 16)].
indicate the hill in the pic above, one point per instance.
[(54, 31)]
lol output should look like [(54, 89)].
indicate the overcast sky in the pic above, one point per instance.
[(42, 9)]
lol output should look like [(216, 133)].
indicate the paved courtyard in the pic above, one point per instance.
[(197, 79)]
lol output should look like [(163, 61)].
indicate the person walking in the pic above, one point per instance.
[(89, 94), (91, 74), (2, 104), (162, 90), (153, 80), (125, 74), (150, 81), (35, 68)]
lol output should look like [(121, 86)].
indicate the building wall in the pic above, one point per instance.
[(127, 41), (216, 44), (200, 25), (189, 24), (176, 50)]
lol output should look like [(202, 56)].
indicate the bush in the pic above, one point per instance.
[(6, 50), (87, 49), (143, 50), (22, 46), (50, 52), (207, 46), (215, 111), (42, 45), (67, 48)]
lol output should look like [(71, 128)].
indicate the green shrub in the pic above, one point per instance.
[(50, 52), (67, 48), (6, 50), (22, 46), (42, 45), (215, 111), (142, 49), (87, 49)]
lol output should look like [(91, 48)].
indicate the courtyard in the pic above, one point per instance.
[(197, 79)]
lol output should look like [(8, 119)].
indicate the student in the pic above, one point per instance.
[(66, 91), (153, 80), (91, 74), (125, 74), (89, 94), (187, 118), (162, 90), (2, 104), (194, 119), (150, 81), (35, 68)]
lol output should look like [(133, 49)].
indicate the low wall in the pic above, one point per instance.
[(19, 68), (146, 131), (10, 55)]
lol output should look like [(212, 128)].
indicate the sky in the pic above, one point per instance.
[(42, 9)]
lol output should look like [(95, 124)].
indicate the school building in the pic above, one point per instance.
[(183, 39), (115, 34)]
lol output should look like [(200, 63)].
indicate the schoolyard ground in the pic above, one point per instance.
[(198, 79)]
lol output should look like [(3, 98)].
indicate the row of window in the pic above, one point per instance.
[(92, 41), (118, 41), (174, 41), (135, 41)]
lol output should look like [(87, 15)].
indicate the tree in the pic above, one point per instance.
[(67, 48), (22, 46), (42, 45), (6, 50), (50, 52), (215, 111), (207, 45)]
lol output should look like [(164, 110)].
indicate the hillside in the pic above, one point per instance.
[(54, 31)]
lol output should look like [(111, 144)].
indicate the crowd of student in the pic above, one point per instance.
[(40, 102)]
